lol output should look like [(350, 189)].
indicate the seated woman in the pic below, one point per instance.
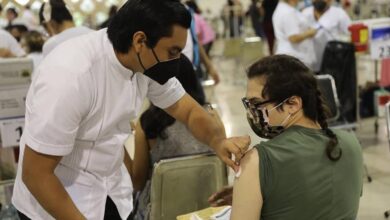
[(159, 136), (305, 171)]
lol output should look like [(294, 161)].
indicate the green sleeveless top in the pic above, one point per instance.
[(299, 182)]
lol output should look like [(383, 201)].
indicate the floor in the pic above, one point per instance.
[(227, 95)]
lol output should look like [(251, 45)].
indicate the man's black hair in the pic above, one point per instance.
[(153, 17)]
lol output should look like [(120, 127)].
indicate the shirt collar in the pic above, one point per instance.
[(109, 50)]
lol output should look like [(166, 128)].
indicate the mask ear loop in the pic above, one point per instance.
[(155, 55), (285, 120), (140, 62), (278, 105)]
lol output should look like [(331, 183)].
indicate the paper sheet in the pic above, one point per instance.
[(204, 214)]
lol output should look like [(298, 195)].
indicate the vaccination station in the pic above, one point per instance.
[(195, 109)]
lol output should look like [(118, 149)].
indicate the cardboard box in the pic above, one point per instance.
[(15, 71), (13, 101)]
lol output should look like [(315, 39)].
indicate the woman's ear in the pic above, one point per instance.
[(294, 104), (139, 41)]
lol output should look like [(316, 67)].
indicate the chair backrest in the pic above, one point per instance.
[(329, 92), (183, 185), (388, 120), (339, 61)]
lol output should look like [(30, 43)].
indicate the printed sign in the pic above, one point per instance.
[(11, 131), (380, 42)]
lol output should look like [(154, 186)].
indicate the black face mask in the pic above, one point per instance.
[(161, 72), (320, 5)]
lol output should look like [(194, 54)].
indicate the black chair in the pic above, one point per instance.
[(337, 120), (339, 61), (329, 90)]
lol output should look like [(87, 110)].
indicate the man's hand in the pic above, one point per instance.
[(206, 129), (222, 197), (236, 146)]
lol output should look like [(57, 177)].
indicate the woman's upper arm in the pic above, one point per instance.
[(140, 165), (247, 198)]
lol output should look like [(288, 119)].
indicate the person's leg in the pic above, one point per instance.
[(269, 33), (207, 47)]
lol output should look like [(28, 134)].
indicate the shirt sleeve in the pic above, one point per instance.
[(56, 103), (291, 25), (345, 21), (163, 96), (309, 15)]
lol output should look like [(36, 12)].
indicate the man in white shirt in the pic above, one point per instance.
[(80, 103), (293, 33), (58, 22), (332, 23), (9, 47)]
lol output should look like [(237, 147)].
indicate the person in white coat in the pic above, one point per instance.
[(293, 32), (58, 22), (9, 47), (79, 105), (332, 23)]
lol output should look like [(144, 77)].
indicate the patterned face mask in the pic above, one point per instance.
[(259, 121)]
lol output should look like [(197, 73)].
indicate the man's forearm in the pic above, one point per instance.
[(52, 196), (209, 130), (205, 127)]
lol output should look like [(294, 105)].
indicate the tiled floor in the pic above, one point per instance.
[(376, 194)]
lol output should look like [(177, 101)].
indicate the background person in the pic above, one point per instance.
[(58, 22), (293, 32), (9, 47), (159, 136), (332, 23)]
